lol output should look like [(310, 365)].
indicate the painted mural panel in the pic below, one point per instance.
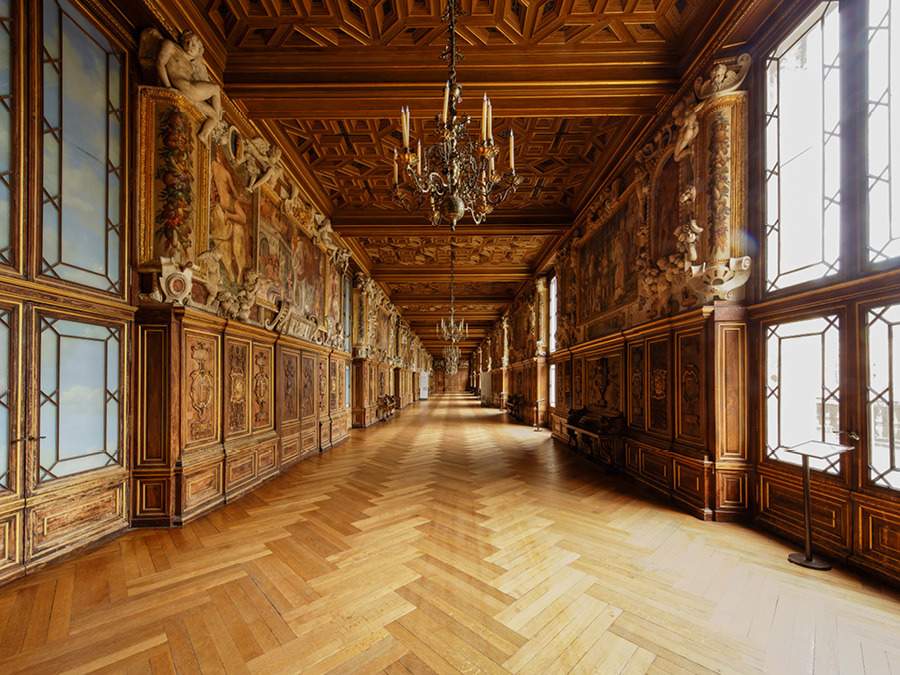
[(230, 221), (274, 257), (607, 263), (334, 293), (383, 330), (666, 216), (309, 283), (174, 179)]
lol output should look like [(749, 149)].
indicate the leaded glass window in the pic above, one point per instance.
[(554, 307), (4, 398), (882, 401), (802, 399), (883, 151), (82, 154), (803, 193), (6, 130), (552, 378), (80, 397)]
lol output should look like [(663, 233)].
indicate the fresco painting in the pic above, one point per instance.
[(607, 259)]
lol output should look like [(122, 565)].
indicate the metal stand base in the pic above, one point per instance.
[(813, 563)]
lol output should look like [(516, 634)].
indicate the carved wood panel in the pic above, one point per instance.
[(153, 403), (333, 385), (262, 401), (636, 386), (578, 383), (690, 401), (323, 385), (201, 387), (308, 377), (237, 387), (658, 377), (291, 387), (603, 383)]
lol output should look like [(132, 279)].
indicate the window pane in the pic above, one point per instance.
[(802, 380), (803, 153), (82, 116), (6, 145), (553, 386), (882, 405), (554, 288), (80, 378), (883, 144)]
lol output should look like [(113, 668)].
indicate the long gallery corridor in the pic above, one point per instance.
[(446, 540)]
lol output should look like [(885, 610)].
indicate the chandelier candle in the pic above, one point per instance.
[(455, 173)]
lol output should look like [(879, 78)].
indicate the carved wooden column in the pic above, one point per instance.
[(733, 468), (723, 163)]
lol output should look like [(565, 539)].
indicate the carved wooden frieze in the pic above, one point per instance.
[(237, 387), (636, 386), (690, 400), (261, 403), (201, 388), (604, 377), (567, 385), (307, 386), (290, 380), (578, 383), (333, 389), (658, 385), (323, 386)]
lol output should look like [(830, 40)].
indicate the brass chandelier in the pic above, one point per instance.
[(456, 174), (452, 330)]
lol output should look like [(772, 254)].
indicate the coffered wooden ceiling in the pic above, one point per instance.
[(578, 80)]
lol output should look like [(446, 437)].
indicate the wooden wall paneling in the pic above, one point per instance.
[(650, 466), (12, 479), (659, 389), (780, 508), (238, 391), (288, 384), (241, 467), (734, 470), (690, 387), (263, 399), (309, 403), (62, 519), (12, 539), (876, 545), (637, 386), (578, 382), (693, 485), (323, 389), (339, 415), (156, 432), (362, 411), (201, 466)]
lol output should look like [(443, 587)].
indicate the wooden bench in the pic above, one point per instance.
[(515, 406), (386, 406), (597, 435)]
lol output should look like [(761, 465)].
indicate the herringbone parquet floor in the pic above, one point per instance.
[(446, 540)]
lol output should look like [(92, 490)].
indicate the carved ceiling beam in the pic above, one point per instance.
[(550, 99), (442, 273), (384, 223)]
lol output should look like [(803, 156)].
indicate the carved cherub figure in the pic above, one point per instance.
[(181, 67), (685, 114), (269, 170)]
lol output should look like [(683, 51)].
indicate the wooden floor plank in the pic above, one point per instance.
[(446, 541)]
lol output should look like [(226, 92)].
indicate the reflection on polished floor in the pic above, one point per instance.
[(446, 540)]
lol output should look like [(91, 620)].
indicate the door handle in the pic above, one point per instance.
[(27, 438), (851, 434)]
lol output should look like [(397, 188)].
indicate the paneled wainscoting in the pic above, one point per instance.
[(446, 540)]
